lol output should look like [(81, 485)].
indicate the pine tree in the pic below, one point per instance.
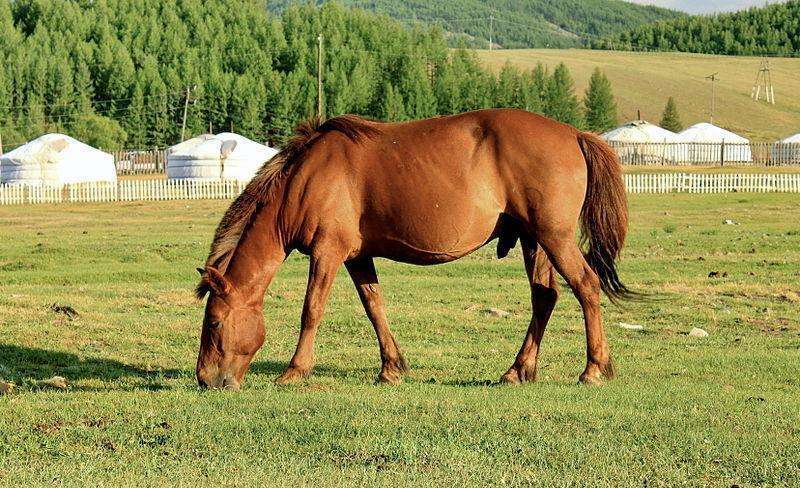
[(601, 110), (670, 119), (507, 90), (420, 102), (393, 106), (560, 102), (530, 93)]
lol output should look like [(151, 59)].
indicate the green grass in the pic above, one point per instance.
[(644, 81), (717, 411)]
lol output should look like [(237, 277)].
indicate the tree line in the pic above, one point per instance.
[(517, 24), (114, 73), (773, 30)]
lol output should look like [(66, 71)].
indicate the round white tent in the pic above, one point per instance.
[(212, 157), (707, 143), (642, 142), (56, 159), (787, 150)]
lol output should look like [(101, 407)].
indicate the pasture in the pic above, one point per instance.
[(713, 411), (644, 81)]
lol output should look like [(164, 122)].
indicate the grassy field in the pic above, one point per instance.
[(644, 81), (716, 411)]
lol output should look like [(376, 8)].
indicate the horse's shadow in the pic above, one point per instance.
[(29, 366)]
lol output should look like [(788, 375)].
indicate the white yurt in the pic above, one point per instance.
[(56, 159), (212, 157), (787, 151), (704, 144), (640, 142)]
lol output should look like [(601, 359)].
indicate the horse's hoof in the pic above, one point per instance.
[(590, 380), (291, 375), (510, 378), (390, 378), (516, 375), (594, 373)]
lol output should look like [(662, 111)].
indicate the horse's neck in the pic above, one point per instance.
[(260, 252)]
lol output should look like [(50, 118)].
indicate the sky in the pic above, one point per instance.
[(705, 6)]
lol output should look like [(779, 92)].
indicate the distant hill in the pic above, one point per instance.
[(773, 30), (644, 81), (517, 23)]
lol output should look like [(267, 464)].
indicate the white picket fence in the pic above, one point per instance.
[(138, 190), (122, 191), (712, 183)]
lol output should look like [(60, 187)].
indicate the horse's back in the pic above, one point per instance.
[(434, 190)]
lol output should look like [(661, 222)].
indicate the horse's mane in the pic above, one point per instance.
[(242, 212)]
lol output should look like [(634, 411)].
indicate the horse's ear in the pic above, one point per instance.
[(216, 281)]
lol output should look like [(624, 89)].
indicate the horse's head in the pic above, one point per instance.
[(233, 331)]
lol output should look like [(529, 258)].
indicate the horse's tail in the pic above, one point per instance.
[(604, 217)]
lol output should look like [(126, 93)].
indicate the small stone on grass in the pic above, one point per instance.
[(623, 325), (55, 382), (697, 332), (496, 312)]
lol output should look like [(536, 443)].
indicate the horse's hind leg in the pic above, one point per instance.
[(393, 365), (569, 261), (544, 294)]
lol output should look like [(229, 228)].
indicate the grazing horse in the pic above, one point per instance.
[(424, 192)]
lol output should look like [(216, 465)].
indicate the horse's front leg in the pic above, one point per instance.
[(393, 365), (321, 274)]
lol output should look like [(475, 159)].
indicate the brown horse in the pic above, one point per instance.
[(423, 192)]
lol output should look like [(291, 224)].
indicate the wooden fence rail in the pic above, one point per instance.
[(712, 183), (707, 154), (138, 190), (122, 191), (131, 162)]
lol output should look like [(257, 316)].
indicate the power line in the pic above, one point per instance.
[(91, 102)]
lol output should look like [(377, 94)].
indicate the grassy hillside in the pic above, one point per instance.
[(773, 30), (644, 81), (517, 23)]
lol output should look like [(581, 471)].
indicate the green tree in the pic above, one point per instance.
[(393, 106), (670, 119), (99, 131), (601, 109), (560, 101)]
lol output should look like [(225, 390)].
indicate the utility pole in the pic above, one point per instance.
[(186, 109), (491, 30), (764, 79), (320, 113), (713, 78)]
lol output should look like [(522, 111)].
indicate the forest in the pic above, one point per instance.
[(115, 73), (773, 30), (516, 23)]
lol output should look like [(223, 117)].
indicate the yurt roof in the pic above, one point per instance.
[(51, 143), (228, 144), (705, 132), (639, 131), (56, 159), (795, 139)]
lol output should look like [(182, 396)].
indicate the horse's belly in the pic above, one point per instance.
[(435, 239)]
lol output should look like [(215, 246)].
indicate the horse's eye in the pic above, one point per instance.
[(215, 325)]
